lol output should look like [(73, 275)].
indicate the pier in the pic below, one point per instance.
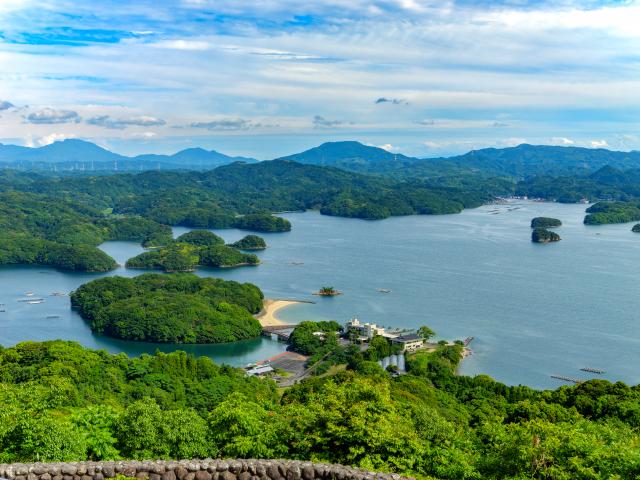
[(567, 379), (592, 370)]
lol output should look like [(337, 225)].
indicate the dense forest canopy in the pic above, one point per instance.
[(44, 230), (185, 257), (250, 242), (613, 212), (63, 402), (545, 222), (177, 308)]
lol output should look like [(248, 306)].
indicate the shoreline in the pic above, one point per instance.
[(268, 315)]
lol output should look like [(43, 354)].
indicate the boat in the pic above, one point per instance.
[(29, 294), (35, 302), (53, 316), (29, 300), (384, 290), (58, 294)]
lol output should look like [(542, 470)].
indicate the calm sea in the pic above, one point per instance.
[(533, 310)]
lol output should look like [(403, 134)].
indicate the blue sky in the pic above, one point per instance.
[(267, 78)]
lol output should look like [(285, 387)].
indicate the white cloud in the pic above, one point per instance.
[(598, 144), (388, 147), (53, 116), (47, 139), (119, 124), (189, 45), (144, 135), (561, 141)]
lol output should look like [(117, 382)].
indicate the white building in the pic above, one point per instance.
[(410, 343), (259, 371), (366, 331)]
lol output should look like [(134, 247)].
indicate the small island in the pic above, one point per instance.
[(542, 235), (327, 292), (250, 242), (201, 238), (174, 308), (191, 250), (545, 222)]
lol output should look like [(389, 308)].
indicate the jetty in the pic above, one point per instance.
[(467, 341), (567, 379), (592, 370)]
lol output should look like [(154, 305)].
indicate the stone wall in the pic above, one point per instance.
[(189, 470)]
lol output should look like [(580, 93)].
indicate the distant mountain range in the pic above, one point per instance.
[(82, 155), (518, 162)]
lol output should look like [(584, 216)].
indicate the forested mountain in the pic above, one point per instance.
[(607, 183), (80, 155), (516, 162), (519, 162), (529, 160), (353, 156), (199, 199)]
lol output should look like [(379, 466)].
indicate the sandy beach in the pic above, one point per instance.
[(268, 316)]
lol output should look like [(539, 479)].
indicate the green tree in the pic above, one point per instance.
[(426, 333)]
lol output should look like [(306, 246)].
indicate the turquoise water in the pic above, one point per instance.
[(534, 310)]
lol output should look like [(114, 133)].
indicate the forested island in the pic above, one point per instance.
[(545, 222), (250, 242), (63, 402), (612, 212), (542, 235), (175, 308), (193, 249)]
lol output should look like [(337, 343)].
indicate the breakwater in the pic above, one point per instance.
[(190, 470)]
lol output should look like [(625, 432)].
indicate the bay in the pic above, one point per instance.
[(533, 310)]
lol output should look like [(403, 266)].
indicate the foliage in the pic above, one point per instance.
[(201, 238), (426, 333), (612, 212), (310, 338), (185, 257), (545, 222), (542, 235), (250, 242), (59, 401), (179, 308)]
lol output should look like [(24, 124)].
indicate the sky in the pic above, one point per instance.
[(267, 78)]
